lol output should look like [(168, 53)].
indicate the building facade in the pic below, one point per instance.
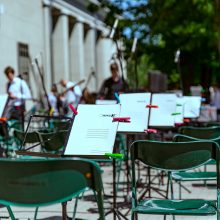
[(62, 36)]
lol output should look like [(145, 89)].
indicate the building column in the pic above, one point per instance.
[(76, 45), (47, 46), (61, 48), (106, 51), (89, 58)]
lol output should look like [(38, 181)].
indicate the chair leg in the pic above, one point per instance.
[(180, 190), (75, 208), (99, 197), (35, 214), (134, 216), (11, 213), (171, 189)]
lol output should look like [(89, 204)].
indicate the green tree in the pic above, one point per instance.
[(162, 27)]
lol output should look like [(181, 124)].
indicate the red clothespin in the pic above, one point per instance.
[(151, 106), (73, 109), (178, 124), (186, 120), (150, 130), (3, 119), (123, 119)]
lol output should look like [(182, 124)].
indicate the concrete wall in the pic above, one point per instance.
[(72, 51), (20, 21)]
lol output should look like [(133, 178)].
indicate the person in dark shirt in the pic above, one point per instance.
[(113, 84)]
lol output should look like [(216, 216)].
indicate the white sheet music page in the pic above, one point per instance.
[(179, 110), (3, 100), (163, 115), (105, 102), (93, 131), (133, 105), (191, 105)]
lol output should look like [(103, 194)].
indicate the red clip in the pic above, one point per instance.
[(150, 130), (126, 119), (178, 124), (186, 120), (73, 109), (152, 106), (3, 119)]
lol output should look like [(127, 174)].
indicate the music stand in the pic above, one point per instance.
[(92, 135)]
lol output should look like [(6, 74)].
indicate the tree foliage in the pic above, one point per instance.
[(162, 27)]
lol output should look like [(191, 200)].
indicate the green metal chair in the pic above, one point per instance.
[(170, 157), (193, 176), (60, 124), (6, 133), (53, 141), (200, 132), (189, 133), (28, 138), (43, 182)]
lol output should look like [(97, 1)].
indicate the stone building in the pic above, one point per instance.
[(67, 40)]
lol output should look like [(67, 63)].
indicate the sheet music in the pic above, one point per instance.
[(3, 100), (179, 109), (105, 102), (191, 105), (162, 116), (93, 131), (133, 105)]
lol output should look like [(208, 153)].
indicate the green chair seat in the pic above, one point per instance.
[(177, 207), (193, 176)]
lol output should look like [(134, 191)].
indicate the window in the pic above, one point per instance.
[(23, 61)]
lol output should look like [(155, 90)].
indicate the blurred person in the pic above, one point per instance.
[(71, 95), (54, 99), (87, 97), (215, 99), (18, 91), (113, 84)]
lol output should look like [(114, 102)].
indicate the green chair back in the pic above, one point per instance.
[(40, 182), (53, 141), (30, 137), (173, 156), (211, 124), (201, 132), (60, 125)]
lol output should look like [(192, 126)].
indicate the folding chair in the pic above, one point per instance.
[(189, 133), (200, 132), (60, 124), (43, 182), (170, 157), (28, 138), (53, 141)]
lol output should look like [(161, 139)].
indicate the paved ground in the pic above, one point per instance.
[(85, 206)]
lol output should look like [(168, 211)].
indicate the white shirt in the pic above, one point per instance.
[(53, 102), (20, 90), (73, 97)]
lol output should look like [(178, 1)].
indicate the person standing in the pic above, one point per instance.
[(18, 91), (215, 99), (113, 84), (72, 94), (54, 100)]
